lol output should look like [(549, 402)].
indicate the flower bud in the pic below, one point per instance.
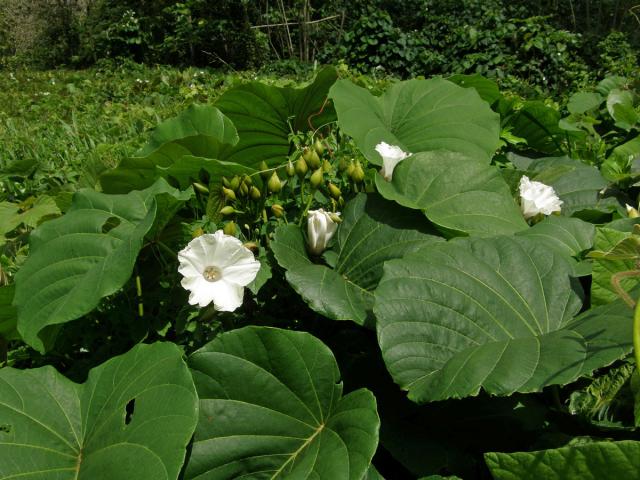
[(274, 184), (244, 189), (326, 166), (234, 183), (277, 210), (318, 147), (343, 164), (316, 178), (350, 168), (357, 175), (200, 188), (335, 217), (230, 228), (320, 229), (197, 232), (264, 169), (301, 168), (632, 212), (341, 202), (314, 160), (290, 169), (334, 191), (225, 182), (228, 193), (247, 179), (228, 210), (255, 193)]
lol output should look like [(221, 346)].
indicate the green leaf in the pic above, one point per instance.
[(628, 151), (187, 168), (490, 313), (582, 102), (606, 265), (8, 313), (418, 116), (83, 256), (265, 116), (487, 89), (373, 474), (30, 213), (591, 461), (538, 124), (132, 418), (373, 231), (568, 236), (271, 406), (201, 131), (455, 192), (577, 184), (610, 83), (620, 107)]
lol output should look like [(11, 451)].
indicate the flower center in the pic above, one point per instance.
[(212, 274)]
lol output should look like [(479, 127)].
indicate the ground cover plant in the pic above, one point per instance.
[(343, 279)]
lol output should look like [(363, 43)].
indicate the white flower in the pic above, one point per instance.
[(391, 156), (536, 197), (320, 229), (216, 268)]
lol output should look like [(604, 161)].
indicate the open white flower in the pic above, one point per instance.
[(391, 156), (536, 198), (216, 268), (320, 229)]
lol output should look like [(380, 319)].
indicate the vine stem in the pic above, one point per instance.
[(622, 293)]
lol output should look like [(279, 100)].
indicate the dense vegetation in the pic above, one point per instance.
[(336, 272)]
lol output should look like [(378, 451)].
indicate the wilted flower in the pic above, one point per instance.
[(320, 229), (536, 198), (391, 156), (216, 268)]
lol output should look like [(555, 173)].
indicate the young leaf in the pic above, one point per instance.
[(271, 406), (418, 116), (132, 418), (490, 313), (83, 256)]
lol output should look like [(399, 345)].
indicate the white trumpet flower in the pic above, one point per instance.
[(216, 268), (391, 156), (320, 229), (536, 198)]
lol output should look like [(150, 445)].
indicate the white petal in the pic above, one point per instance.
[(226, 296), (242, 273), (191, 264), (391, 156), (200, 293)]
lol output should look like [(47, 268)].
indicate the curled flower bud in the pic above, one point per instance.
[(277, 210), (320, 229)]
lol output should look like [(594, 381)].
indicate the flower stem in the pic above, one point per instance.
[(306, 209)]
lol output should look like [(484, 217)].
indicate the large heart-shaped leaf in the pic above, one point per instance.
[(570, 237), (201, 130), (132, 418), (538, 125), (588, 461), (265, 116), (8, 313), (418, 116), (490, 313), (372, 232), (271, 406), (85, 255), (455, 192), (187, 168)]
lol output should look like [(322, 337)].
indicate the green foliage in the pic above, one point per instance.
[(132, 418)]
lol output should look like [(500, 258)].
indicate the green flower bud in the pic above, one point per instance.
[(313, 160), (350, 168), (316, 178), (228, 210), (244, 189), (290, 169), (230, 228), (335, 217), (318, 147), (277, 210), (197, 232), (301, 168), (274, 184), (341, 202), (334, 191), (264, 170), (343, 164), (358, 173), (200, 188), (255, 193), (234, 183), (225, 182), (326, 166), (247, 179), (228, 193)]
